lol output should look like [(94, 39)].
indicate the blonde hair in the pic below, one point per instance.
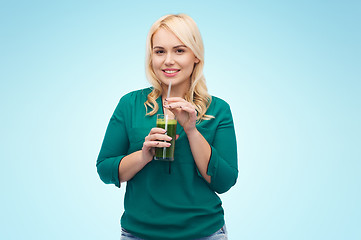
[(187, 31)]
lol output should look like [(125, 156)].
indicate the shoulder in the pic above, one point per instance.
[(132, 100), (221, 114), (133, 96), (218, 104), (219, 109)]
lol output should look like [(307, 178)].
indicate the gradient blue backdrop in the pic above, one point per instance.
[(289, 69)]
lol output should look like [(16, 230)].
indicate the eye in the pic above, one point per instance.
[(159, 52), (180, 51)]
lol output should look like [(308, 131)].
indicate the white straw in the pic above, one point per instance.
[(166, 117), (169, 87)]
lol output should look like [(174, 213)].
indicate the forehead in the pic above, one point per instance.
[(165, 38)]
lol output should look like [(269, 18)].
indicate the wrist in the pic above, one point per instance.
[(145, 157), (192, 132)]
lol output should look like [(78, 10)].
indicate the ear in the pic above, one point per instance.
[(196, 60)]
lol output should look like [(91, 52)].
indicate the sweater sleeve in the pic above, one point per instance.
[(222, 165), (115, 145)]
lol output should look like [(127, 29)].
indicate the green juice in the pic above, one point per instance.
[(167, 154)]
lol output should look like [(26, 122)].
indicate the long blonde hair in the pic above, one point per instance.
[(187, 31)]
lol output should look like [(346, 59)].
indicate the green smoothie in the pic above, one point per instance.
[(167, 153)]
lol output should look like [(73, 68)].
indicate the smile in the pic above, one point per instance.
[(170, 72)]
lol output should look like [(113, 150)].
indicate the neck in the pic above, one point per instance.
[(176, 90)]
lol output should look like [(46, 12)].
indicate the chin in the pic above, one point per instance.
[(167, 81)]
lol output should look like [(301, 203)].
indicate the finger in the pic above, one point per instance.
[(175, 105), (158, 137), (153, 144), (157, 130), (176, 102), (190, 110), (176, 108), (175, 99)]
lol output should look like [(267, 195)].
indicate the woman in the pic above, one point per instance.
[(183, 203)]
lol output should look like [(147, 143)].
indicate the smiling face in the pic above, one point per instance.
[(172, 60)]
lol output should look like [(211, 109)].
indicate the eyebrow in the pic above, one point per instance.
[(178, 46)]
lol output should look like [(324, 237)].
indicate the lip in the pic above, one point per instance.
[(170, 72)]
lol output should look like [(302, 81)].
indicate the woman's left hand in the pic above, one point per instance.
[(184, 112)]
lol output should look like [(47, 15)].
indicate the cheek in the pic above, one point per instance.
[(156, 63), (189, 61), (188, 64)]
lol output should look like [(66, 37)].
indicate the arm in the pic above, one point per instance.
[(201, 152), (134, 162), (222, 165), (114, 165), (216, 162), (187, 116), (115, 145)]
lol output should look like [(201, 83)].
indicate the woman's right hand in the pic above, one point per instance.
[(155, 138)]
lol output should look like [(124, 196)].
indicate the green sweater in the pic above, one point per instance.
[(178, 205)]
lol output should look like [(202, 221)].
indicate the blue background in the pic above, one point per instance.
[(289, 69)]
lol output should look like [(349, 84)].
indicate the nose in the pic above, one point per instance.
[(169, 60)]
